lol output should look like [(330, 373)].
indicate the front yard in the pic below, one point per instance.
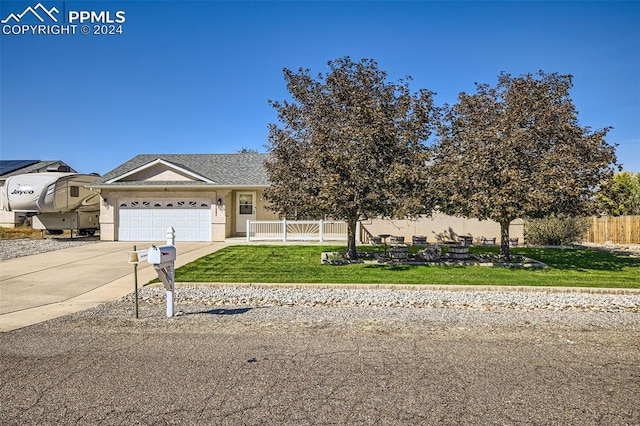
[(301, 264)]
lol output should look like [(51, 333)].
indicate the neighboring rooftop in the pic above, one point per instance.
[(17, 167)]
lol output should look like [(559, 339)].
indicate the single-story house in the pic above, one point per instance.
[(210, 197), (205, 197)]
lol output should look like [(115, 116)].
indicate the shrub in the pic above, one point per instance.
[(555, 230)]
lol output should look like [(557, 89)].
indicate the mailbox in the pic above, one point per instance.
[(161, 254)]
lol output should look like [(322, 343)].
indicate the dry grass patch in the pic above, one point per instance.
[(20, 232)]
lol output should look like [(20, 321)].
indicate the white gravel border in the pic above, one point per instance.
[(18, 247), (471, 300)]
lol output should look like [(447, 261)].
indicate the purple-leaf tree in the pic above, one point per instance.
[(516, 150), (349, 146)]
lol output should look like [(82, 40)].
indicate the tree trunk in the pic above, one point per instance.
[(351, 239), (504, 240)]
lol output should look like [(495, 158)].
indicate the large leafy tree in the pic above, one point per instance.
[(516, 150), (350, 145), (620, 195)]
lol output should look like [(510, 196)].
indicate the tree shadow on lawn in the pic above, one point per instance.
[(560, 259), (582, 260)]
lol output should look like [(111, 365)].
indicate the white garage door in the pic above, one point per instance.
[(148, 220)]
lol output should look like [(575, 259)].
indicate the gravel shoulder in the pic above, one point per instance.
[(269, 310), (18, 247)]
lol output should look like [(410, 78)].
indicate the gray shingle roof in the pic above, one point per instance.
[(241, 169)]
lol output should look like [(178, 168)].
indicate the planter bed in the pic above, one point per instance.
[(339, 258)]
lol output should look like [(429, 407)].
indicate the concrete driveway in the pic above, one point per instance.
[(44, 286)]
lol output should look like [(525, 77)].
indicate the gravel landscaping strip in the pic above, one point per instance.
[(18, 247), (266, 310), (467, 300)]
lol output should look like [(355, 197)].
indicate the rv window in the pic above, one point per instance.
[(75, 191)]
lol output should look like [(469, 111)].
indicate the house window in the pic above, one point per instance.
[(246, 203), (74, 191)]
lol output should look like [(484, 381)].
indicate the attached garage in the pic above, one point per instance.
[(148, 220), (205, 197)]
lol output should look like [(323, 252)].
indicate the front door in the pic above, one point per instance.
[(245, 210)]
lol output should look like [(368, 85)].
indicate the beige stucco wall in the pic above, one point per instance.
[(441, 223), (157, 172), (262, 212), (8, 219)]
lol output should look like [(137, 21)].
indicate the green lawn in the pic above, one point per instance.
[(301, 264)]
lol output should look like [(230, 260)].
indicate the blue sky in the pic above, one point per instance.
[(195, 76)]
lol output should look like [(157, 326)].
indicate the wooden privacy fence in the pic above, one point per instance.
[(614, 229)]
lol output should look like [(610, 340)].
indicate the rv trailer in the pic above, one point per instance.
[(56, 201)]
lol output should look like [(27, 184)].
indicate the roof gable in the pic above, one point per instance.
[(227, 170), (160, 170)]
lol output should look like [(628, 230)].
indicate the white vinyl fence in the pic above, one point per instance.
[(296, 230)]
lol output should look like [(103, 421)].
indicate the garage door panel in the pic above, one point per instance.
[(148, 221), (181, 214), (192, 234), (141, 235)]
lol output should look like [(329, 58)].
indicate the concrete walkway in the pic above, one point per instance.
[(49, 285)]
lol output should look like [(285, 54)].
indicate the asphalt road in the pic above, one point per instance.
[(284, 366)]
